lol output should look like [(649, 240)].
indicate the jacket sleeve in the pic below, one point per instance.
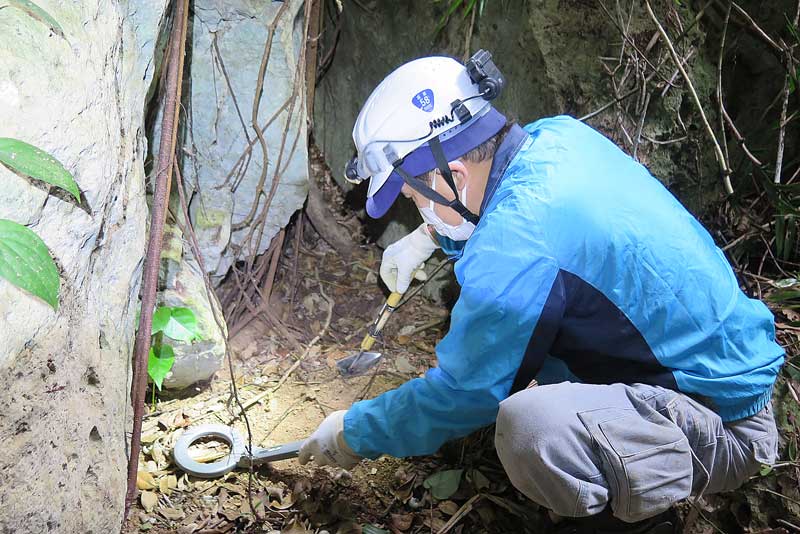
[(506, 275)]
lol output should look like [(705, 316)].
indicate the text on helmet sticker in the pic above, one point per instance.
[(424, 100)]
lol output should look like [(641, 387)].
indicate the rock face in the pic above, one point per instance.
[(64, 404), (198, 360), (224, 157), (223, 161)]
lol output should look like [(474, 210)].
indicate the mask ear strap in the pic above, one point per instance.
[(430, 194), (444, 167)]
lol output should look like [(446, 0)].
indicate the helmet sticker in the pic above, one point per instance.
[(424, 100)]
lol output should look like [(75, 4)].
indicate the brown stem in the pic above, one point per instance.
[(169, 132)]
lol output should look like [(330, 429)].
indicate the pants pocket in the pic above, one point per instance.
[(646, 460)]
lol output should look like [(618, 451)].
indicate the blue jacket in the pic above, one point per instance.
[(583, 257)]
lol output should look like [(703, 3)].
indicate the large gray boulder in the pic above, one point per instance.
[(223, 158), (231, 34), (64, 405)]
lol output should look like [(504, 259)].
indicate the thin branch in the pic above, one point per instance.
[(740, 138), (782, 132), (761, 33), (720, 156), (720, 99)]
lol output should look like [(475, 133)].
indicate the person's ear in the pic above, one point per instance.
[(460, 173)]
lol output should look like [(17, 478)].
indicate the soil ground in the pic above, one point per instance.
[(293, 398)]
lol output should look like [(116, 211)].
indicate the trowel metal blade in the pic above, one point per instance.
[(358, 364)]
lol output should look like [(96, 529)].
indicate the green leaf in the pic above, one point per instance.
[(39, 14), (765, 470), (176, 322), (444, 483), (372, 529), (159, 363), (26, 262), (160, 319), (31, 161), (791, 449)]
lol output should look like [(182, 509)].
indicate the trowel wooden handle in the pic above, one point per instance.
[(394, 299), (391, 304)]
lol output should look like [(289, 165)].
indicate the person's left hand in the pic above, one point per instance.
[(327, 445)]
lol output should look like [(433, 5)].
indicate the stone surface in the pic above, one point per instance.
[(64, 406), (184, 286), (232, 34)]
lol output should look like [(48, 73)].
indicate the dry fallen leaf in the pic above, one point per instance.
[(294, 527), (448, 507), (145, 481), (150, 437), (163, 485), (172, 481), (402, 365), (402, 521), (149, 500), (171, 513), (403, 493), (157, 453)]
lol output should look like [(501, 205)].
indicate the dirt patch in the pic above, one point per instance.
[(288, 386)]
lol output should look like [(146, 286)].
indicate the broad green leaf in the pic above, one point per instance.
[(372, 529), (160, 319), (34, 162), (176, 322), (792, 450), (765, 470), (26, 262), (159, 363), (39, 14), (444, 483)]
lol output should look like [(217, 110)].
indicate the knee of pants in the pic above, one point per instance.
[(547, 455), (536, 431)]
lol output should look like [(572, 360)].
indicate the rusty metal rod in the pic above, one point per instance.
[(163, 177)]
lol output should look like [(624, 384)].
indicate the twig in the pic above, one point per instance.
[(460, 514), (787, 524), (740, 138), (169, 132), (254, 119), (738, 240), (468, 39), (761, 33), (782, 132), (720, 156), (781, 495), (720, 99), (696, 506), (641, 123), (427, 326), (299, 360)]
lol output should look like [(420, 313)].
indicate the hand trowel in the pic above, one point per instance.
[(364, 360)]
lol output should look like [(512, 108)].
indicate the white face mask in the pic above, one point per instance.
[(460, 232)]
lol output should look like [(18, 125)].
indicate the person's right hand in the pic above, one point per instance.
[(405, 258)]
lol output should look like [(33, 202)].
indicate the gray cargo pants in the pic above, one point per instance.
[(574, 448)]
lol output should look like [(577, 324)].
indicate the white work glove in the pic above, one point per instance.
[(327, 446), (405, 258)]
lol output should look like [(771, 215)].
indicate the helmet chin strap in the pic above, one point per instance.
[(430, 194)]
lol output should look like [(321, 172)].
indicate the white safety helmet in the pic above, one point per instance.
[(424, 114)]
